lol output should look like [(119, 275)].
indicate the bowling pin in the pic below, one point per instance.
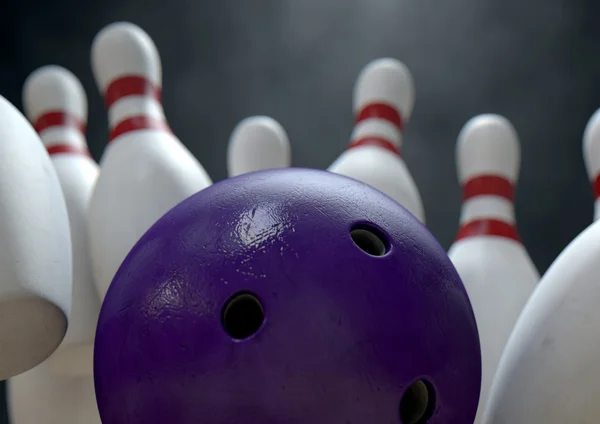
[(384, 97), (56, 104), (257, 143), (61, 389), (35, 248), (40, 396), (493, 264), (591, 158), (549, 370), (145, 169)]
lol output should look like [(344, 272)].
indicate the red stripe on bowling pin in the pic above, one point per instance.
[(596, 186), (57, 120), (131, 86), (489, 195), (491, 185), (591, 157), (126, 94), (378, 124), (382, 111)]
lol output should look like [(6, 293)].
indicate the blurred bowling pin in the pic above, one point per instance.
[(591, 158), (39, 396), (145, 169), (549, 370), (493, 264), (384, 97), (257, 143), (56, 104), (35, 248)]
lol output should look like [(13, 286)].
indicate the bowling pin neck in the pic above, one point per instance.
[(134, 103), (61, 133), (378, 124), (488, 208)]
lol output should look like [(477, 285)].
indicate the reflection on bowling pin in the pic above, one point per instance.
[(35, 248), (56, 104), (549, 370), (384, 97), (492, 262), (257, 143), (145, 169)]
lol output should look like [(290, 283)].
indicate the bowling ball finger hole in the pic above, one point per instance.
[(417, 403), (370, 240), (242, 315)]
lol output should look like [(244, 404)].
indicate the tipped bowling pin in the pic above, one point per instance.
[(493, 264), (549, 370), (384, 97), (145, 169), (35, 248), (56, 104), (257, 143), (591, 157)]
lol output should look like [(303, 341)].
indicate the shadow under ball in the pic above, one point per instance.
[(288, 296)]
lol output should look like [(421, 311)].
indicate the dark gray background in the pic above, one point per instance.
[(535, 62)]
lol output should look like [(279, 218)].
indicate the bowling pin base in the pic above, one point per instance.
[(31, 329), (72, 361), (40, 397)]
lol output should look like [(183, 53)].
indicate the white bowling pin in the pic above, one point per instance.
[(549, 370), (145, 169), (493, 264), (61, 389), (39, 396), (56, 104), (35, 248), (257, 143), (384, 97), (591, 157)]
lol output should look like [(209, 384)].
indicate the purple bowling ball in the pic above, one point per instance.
[(289, 296)]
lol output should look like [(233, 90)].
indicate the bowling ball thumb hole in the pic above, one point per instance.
[(417, 403), (370, 239), (242, 315)]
